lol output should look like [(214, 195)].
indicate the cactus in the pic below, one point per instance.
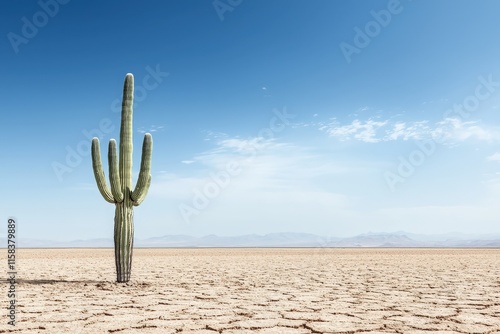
[(120, 175)]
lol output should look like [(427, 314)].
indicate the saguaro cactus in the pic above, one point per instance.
[(120, 175)]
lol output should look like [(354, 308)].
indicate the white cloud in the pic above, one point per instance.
[(449, 130), (274, 179), (287, 187), (494, 157), (454, 129), (404, 131), (213, 135), (363, 131), (151, 129)]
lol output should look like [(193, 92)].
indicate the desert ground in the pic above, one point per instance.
[(240, 291)]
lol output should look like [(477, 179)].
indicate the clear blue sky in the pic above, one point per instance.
[(393, 115)]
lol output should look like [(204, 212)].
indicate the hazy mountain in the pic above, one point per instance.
[(451, 236), (36, 243), (378, 240), (250, 240), (370, 239)]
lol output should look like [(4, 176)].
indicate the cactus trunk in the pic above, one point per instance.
[(124, 240), (120, 173)]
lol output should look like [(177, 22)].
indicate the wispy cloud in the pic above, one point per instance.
[(363, 131), (151, 129), (405, 131), (214, 135), (448, 130), (265, 90), (276, 185), (282, 185), (494, 157), (454, 129), (265, 164)]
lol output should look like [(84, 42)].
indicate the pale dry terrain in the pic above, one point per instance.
[(239, 291)]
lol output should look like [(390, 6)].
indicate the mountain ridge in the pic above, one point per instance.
[(288, 239)]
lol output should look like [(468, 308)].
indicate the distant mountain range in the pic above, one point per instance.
[(394, 239)]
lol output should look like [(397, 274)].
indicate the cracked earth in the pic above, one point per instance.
[(263, 291)]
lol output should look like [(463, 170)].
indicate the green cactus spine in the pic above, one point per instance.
[(120, 175)]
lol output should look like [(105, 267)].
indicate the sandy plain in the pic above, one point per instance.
[(264, 291)]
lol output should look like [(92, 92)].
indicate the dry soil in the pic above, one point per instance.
[(241, 291)]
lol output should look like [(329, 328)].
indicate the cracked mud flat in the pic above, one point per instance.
[(264, 291)]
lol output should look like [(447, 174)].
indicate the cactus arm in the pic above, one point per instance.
[(141, 199), (125, 164), (144, 180), (114, 177), (99, 172)]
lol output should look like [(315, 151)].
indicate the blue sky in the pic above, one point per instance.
[(326, 117)]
